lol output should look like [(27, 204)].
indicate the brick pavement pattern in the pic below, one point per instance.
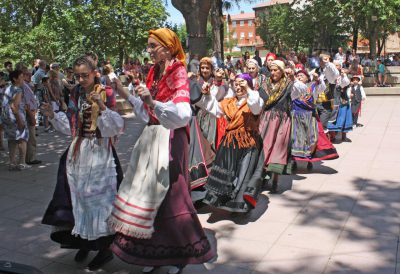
[(344, 217)]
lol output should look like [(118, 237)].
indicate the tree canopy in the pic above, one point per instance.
[(59, 30), (326, 24)]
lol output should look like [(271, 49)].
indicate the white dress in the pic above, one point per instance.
[(91, 174)]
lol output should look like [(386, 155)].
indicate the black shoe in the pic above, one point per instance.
[(34, 162), (359, 125), (274, 188), (103, 257), (81, 255), (347, 140)]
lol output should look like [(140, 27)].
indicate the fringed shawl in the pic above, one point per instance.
[(242, 124), (275, 93)]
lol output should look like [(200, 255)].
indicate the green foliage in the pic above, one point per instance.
[(60, 30), (325, 24)]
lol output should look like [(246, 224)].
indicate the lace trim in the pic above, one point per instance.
[(150, 251)]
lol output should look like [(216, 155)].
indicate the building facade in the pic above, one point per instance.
[(241, 32)]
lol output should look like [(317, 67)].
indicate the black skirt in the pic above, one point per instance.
[(230, 183)]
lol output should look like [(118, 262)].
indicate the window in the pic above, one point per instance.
[(242, 35), (241, 23), (233, 23), (234, 35), (250, 23), (250, 34)]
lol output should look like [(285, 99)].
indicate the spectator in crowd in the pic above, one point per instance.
[(229, 66), (8, 67), (31, 107), (356, 69), (146, 68), (313, 61), (55, 91), (127, 67), (69, 84), (246, 56), (216, 60), (340, 56), (396, 61), (381, 73), (366, 61), (35, 66), (302, 58), (194, 64), (354, 56), (14, 121), (39, 74), (2, 91), (257, 58), (291, 57), (56, 67)]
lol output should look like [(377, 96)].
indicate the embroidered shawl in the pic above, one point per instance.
[(173, 86)]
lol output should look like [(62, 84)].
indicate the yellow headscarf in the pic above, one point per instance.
[(168, 39)]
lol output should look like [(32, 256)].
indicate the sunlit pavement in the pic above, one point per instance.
[(343, 217)]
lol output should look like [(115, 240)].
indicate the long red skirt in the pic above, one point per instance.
[(178, 238)]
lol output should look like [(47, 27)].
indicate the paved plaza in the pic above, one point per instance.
[(344, 217)]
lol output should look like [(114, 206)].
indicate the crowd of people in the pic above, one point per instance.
[(217, 134)]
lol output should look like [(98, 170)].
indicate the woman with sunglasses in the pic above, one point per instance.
[(153, 214), (89, 172)]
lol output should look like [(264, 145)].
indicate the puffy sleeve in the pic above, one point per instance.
[(343, 81), (61, 123), (138, 109), (255, 102), (219, 92), (299, 88), (349, 92), (172, 115), (110, 123), (211, 105), (320, 87), (331, 73), (363, 95)]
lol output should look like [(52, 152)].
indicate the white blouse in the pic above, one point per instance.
[(170, 115), (110, 123), (211, 105)]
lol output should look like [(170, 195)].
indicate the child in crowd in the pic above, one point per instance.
[(356, 94), (381, 74)]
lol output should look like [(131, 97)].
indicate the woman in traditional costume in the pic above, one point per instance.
[(309, 142), (253, 69), (275, 122), (344, 119), (237, 157), (89, 171), (211, 81), (153, 214)]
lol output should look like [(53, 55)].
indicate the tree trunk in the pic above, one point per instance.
[(195, 13), (355, 36), (372, 39), (215, 17)]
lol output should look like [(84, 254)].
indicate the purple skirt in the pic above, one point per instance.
[(179, 238)]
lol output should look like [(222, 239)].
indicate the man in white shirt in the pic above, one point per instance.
[(340, 56)]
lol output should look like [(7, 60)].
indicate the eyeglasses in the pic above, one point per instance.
[(82, 75), (153, 46)]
